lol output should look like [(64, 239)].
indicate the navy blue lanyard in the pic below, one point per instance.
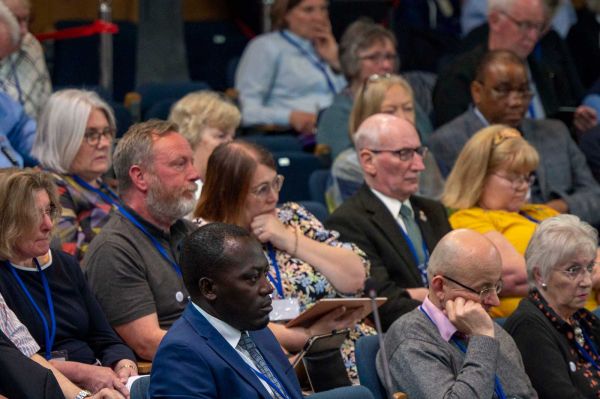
[(318, 64), (115, 202), (497, 384), (269, 382), (110, 198), (49, 332), (421, 266), (526, 216), (585, 354), (276, 281)]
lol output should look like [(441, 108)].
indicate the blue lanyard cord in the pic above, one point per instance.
[(585, 354), (497, 384), (270, 383), (317, 63), (421, 266), (49, 332), (110, 198), (17, 84), (531, 218), (276, 281), (114, 201)]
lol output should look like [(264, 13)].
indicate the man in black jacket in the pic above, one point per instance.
[(395, 228)]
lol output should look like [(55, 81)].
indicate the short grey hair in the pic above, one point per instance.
[(61, 127), (7, 17), (507, 5), (359, 36), (367, 136), (556, 241), (135, 148)]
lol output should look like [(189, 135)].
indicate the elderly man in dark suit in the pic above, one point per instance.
[(395, 228), (501, 94)]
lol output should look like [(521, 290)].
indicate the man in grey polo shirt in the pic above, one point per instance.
[(132, 264)]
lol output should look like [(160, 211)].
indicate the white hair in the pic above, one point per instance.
[(62, 125), (556, 241), (7, 17)]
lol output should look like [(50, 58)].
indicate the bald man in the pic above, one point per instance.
[(394, 227), (451, 344)]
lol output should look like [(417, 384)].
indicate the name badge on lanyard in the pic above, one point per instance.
[(283, 308)]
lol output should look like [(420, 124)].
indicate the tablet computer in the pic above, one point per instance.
[(326, 305)]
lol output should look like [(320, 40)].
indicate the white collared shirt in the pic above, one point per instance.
[(394, 205), (232, 335)]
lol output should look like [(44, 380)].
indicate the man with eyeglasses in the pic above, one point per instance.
[(500, 94), (394, 227), (449, 346), (519, 26)]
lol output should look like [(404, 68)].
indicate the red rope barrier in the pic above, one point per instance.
[(94, 28)]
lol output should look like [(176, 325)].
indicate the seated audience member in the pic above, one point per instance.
[(584, 43), (48, 292), (19, 378), (23, 74), (500, 92), (449, 347), (74, 141), (366, 48), (558, 338), (205, 119), (286, 76), (561, 13), (488, 188), (308, 262), (387, 94), (517, 26), (394, 227), (221, 346), (132, 264), (17, 130)]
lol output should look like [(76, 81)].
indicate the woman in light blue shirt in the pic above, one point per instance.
[(286, 76)]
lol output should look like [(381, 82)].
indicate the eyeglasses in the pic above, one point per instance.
[(380, 57), (517, 181), (404, 154), (264, 189), (576, 271), (504, 91), (484, 293), (93, 136), (51, 211), (525, 26)]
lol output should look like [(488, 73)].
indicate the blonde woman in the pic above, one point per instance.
[(488, 188)]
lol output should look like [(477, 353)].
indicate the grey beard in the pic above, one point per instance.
[(168, 209)]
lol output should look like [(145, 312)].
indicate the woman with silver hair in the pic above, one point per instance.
[(558, 338), (74, 141)]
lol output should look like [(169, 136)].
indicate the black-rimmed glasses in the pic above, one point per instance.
[(484, 293), (93, 136), (404, 154)]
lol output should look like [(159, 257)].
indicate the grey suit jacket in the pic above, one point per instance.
[(562, 173)]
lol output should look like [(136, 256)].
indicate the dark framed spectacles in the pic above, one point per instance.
[(484, 293), (380, 57), (576, 271), (404, 154), (524, 25), (93, 136)]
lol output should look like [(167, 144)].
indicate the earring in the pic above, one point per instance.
[(544, 285)]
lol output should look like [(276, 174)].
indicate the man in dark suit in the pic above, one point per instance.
[(500, 92), (395, 228), (220, 345), (518, 26)]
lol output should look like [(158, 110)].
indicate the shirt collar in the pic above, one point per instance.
[(232, 335), (177, 227), (47, 263), (439, 319), (392, 204), (480, 116), (304, 43)]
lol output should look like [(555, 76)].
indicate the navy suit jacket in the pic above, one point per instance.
[(194, 361)]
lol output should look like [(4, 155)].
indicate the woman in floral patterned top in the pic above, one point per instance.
[(74, 141), (307, 261), (558, 338)]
